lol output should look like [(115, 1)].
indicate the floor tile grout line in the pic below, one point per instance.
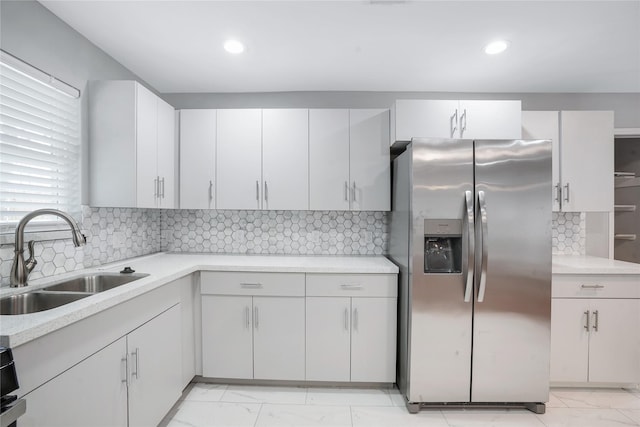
[(626, 416), (255, 423), (351, 414)]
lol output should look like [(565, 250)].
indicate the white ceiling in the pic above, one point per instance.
[(556, 46)]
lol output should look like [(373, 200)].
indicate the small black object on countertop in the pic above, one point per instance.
[(127, 270)]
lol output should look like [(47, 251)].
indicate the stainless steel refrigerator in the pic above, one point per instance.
[(471, 232)]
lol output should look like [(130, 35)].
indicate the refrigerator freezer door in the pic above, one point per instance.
[(512, 318), (440, 319)]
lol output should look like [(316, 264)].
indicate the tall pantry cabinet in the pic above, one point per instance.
[(132, 147)]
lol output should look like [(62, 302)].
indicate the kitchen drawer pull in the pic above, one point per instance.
[(255, 317), (251, 285), (210, 190), (246, 317), (124, 371), (355, 319), (346, 191), (136, 373), (566, 196), (586, 326), (351, 286), (592, 286), (346, 319), (595, 320)]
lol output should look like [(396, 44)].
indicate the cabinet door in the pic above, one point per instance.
[(373, 339), (239, 159), (416, 118), (167, 154), (197, 159), (188, 299), (369, 160), (146, 148), (614, 346), (586, 160), (569, 340), (95, 388), (490, 120), (278, 338), (285, 159), (329, 159), (328, 327), (155, 371), (227, 337), (546, 125)]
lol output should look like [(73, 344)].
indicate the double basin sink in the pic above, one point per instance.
[(64, 292)]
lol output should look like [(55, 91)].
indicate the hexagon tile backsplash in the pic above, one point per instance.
[(118, 233), (568, 233)]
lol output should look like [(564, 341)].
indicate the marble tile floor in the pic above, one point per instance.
[(215, 405)]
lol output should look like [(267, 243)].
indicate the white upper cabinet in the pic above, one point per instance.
[(349, 164), (370, 168), (329, 159), (239, 159), (413, 118), (285, 159), (490, 119), (131, 147), (583, 153), (197, 159), (587, 161), (546, 125)]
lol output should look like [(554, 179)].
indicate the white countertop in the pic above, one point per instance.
[(582, 264), (162, 269)]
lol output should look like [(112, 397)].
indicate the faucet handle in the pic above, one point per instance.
[(31, 262)]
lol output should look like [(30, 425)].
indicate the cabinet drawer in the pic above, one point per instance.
[(352, 285), (240, 283), (595, 286)]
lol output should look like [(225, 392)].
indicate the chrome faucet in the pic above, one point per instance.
[(20, 269)]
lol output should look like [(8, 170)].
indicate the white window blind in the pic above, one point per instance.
[(39, 145)]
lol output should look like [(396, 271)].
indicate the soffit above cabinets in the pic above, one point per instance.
[(555, 46)]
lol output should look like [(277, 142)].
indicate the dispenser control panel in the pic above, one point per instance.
[(443, 246)]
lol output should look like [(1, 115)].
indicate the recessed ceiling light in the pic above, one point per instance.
[(495, 47), (233, 46)]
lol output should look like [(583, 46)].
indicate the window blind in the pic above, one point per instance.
[(39, 146)]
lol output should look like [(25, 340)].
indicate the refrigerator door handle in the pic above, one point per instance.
[(468, 289), (483, 233)]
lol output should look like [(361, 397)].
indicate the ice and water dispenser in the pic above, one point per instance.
[(443, 246)]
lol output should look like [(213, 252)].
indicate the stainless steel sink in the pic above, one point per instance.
[(64, 292), (32, 302), (94, 283)]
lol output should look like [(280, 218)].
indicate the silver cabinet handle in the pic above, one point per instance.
[(595, 320), (463, 122), (471, 239), (558, 192), (162, 181), (251, 285), (586, 326), (346, 319), (210, 190), (257, 191), (453, 123), (125, 377), (355, 319), (255, 317), (156, 187), (351, 286), (346, 191), (485, 253), (246, 317), (266, 192), (136, 373), (592, 286), (354, 191), (566, 195)]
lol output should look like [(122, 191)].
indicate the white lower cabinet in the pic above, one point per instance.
[(253, 325), (155, 375), (351, 328), (595, 330), (95, 389)]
